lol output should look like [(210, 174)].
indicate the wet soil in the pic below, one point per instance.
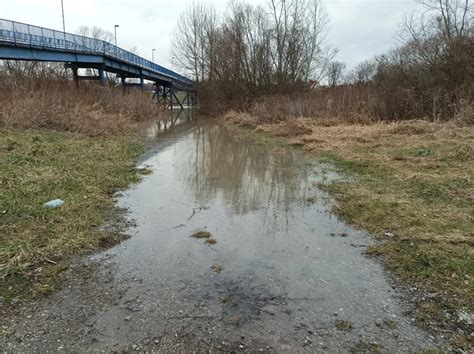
[(285, 275)]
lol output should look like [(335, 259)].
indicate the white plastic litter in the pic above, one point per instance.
[(55, 203)]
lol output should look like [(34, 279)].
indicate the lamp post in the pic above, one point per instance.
[(172, 62), (115, 31), (62, 10), (153, 55)]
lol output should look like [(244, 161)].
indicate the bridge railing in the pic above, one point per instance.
[(22, 34)]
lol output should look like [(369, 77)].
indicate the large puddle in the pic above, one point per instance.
[(285, 274)]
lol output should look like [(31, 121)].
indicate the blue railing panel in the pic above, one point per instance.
[(23, 34)]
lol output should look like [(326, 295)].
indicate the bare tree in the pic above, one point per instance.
[(453, 18), (299, 28), (96, 33), (100, 34), (335, 73), (193, 40), (364, 72), (253, 49)]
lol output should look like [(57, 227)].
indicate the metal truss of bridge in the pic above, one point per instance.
[(20, 41)]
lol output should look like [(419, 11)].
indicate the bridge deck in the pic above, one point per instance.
[(20, 41)]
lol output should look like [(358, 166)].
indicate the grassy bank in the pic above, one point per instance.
[(38, 166), (62, 141), (413, 180)]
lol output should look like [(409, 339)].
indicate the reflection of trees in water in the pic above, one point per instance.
[(248, 176), (163, 132)]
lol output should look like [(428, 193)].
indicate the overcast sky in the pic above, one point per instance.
[(360, 29)]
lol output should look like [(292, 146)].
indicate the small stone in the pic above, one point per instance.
[(388, 234), (128, 318), (135, 347), (378, 322)]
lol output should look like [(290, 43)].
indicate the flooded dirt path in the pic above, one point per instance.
[(284, 275)]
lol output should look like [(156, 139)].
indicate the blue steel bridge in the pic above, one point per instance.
[(21, 41)]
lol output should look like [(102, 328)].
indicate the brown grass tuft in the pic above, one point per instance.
[(202, 234), (415, 127), (293, 127)]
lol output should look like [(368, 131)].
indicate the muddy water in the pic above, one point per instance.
[(285, 274)]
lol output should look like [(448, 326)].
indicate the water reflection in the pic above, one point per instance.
[(283, 276), (174, 120), (212, 163), (249, 177)]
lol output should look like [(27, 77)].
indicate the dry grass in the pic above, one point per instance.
[(89, 109), (347, 104), (353, 104)]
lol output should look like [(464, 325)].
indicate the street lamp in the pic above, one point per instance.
[(153, 55), (62, 10), (172, 62), (115, 30)]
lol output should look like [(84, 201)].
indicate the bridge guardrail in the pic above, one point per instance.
[(23, 34)]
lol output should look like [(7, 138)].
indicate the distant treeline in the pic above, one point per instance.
[(253, 49), (256, 51)]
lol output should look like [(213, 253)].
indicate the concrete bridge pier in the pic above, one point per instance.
[(75, 72), (140, 85)]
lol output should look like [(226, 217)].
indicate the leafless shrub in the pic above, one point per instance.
[(33, 69), (428, 77), (347, 103), (465, 113), (433, 70), (59, 105)]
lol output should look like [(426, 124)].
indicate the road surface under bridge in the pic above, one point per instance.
[(21, 41)]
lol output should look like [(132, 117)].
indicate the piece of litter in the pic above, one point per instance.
[(55, 203)]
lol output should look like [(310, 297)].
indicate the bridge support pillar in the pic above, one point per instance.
[(102, 75), (75, 75), (142, 83), (177, 99), (165, 97), (171, 98)]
